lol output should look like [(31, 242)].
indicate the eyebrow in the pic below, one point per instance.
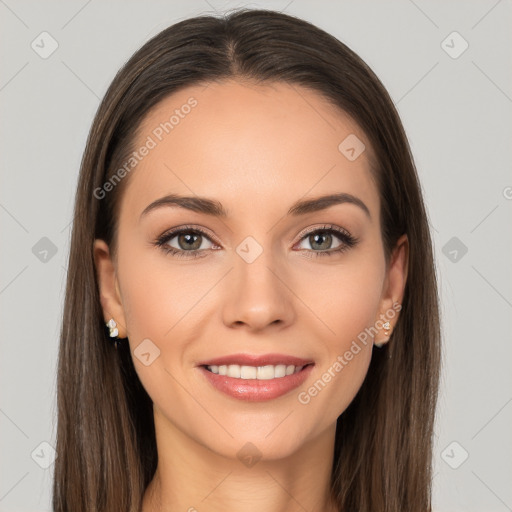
[(212, 207)]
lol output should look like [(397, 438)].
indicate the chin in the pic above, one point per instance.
[(259, 441)]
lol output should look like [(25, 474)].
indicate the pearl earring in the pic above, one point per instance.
[(387, 328), (114, 331)]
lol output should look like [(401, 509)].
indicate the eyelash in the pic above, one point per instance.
[(348, 241)]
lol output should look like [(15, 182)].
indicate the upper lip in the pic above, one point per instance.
[(256, 360)]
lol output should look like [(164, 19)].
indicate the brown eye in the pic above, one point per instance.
[(185, 242), (321, 241), (189, 241)]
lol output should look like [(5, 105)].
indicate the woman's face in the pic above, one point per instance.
[(264, 279)]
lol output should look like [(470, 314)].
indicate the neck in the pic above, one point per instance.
[(191, 477)]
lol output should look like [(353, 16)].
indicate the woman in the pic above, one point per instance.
[(250, 233)]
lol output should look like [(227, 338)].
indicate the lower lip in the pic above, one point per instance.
[(255, 390)]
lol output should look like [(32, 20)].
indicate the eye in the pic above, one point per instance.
[(185, 242), (321, 240)]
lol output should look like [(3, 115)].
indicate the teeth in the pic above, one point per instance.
[(255, 372), (290, 369), (233, 371), (248, 372)]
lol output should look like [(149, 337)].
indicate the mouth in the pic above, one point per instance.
[(256, 378)]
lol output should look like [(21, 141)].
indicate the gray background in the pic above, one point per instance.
[(456, 111)]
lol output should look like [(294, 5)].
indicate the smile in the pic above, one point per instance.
[(256, 383)]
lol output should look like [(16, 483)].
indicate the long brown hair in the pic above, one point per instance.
[(105, 433)]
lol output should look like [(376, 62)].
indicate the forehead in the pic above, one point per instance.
[(250, 146)]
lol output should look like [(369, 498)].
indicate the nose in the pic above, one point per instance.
[(257, 295)]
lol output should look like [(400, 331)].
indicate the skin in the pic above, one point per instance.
[(256, 149)]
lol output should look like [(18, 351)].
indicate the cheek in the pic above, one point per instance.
[(156, 292), (344, 298), (159, 300)]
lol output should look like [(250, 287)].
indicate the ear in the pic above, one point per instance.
[(394, 287), (110, 296)]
